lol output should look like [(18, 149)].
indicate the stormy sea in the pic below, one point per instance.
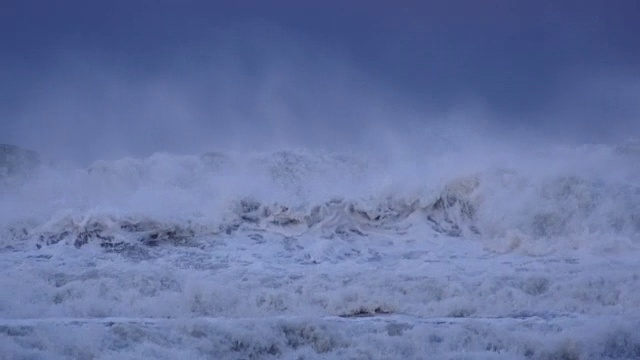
[(489, 253)]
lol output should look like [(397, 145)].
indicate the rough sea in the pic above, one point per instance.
[(489, 253)]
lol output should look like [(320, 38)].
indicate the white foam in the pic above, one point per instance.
[(303, 254)]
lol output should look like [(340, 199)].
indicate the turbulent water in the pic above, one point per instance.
[(498, 253)]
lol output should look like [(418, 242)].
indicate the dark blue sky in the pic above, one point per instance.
[(526, 63)]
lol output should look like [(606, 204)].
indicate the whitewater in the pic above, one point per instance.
[(483, 252)]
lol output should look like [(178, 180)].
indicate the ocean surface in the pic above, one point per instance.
[(483, 253)]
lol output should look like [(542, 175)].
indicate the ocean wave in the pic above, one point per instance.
[(564, 198)]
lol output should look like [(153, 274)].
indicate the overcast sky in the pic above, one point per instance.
[(91, 79)]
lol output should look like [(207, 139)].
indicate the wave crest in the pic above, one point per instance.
[(563, 199)]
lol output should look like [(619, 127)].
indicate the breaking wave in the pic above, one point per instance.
[(536, 202)]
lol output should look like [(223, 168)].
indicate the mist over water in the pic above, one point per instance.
[(267, 89), (246, 94), (285, 121)]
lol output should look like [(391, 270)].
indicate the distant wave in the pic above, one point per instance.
[(562, 198)]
